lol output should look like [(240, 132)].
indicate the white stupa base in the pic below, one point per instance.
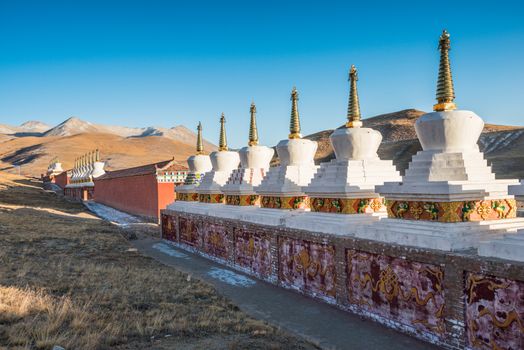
[(351, 178), (340, 225), (335, 224), (439, 236), (436, 176), (287, 181), (243, 181), (510, 247), (213, 182)]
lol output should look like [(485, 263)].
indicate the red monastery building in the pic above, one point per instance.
[(143, 190)]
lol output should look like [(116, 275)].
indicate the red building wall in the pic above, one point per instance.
[(140, 195), (62, 179)]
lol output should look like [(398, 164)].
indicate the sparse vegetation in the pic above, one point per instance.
[(70, 279)]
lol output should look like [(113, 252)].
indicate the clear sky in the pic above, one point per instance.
[(164, 63)]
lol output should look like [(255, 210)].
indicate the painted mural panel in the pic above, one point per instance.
[(188, 232), (216, 242), (494, 312), (169, 227), (253, 251), (307, 266), (408, 292)]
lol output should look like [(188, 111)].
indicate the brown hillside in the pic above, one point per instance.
[(34, 153)]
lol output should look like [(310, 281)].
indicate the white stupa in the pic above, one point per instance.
[(449, 198), (55, 167), (199, 164), (282, 188), (223, 162), (254, 160), (347, 183)]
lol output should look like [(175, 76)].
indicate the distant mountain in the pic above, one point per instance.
[(35, 126), (31, 126), (72, 126), (33, 144)]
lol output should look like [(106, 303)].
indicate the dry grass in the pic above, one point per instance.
[(69, 279)]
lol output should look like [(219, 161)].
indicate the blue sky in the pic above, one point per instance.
[(164, 63)]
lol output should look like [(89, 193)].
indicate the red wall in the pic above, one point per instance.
[(139, 195), (62, 179)]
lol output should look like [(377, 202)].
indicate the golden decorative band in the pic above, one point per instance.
[(243, 200), (348, 205), (211, 198), (477, 210), (295, 202), (187, 197)]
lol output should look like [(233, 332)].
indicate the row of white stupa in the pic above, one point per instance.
[(448, 199), (86, 169)]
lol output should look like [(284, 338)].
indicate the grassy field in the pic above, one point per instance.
[(70, 279)]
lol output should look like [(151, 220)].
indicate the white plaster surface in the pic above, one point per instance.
[(296, 169), (510, 247), (450, 167), (517, 190), (336, 224), (254, 162), (440, 236), (224, 162), (198, 165)]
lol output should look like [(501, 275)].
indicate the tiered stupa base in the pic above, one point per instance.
[(348, 187), (281, 189), (188, 191), (239, 188), (210, 190)]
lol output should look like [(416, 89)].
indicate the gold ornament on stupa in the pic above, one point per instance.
[(253, 132), (97, 155), (445, 90), (200, 143), (222, 144), (294, 124), (353, 103)]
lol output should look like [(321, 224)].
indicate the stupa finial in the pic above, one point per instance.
[(353, 103), (222, 144), (445, 90), (200, 143), (97, 155), (294, 125), (253, 132)]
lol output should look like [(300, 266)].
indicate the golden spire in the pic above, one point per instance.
[(200, 144), (445, 90), (222, 144), (353, 104), (294, 124), (97, 155), (253, 133)]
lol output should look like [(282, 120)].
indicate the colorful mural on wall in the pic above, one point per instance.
[(253, 251), (169, 227), (494, 312), (453, 211), (408, 292), (307, 266), (188, 232), (216, 242), (348, 205)]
